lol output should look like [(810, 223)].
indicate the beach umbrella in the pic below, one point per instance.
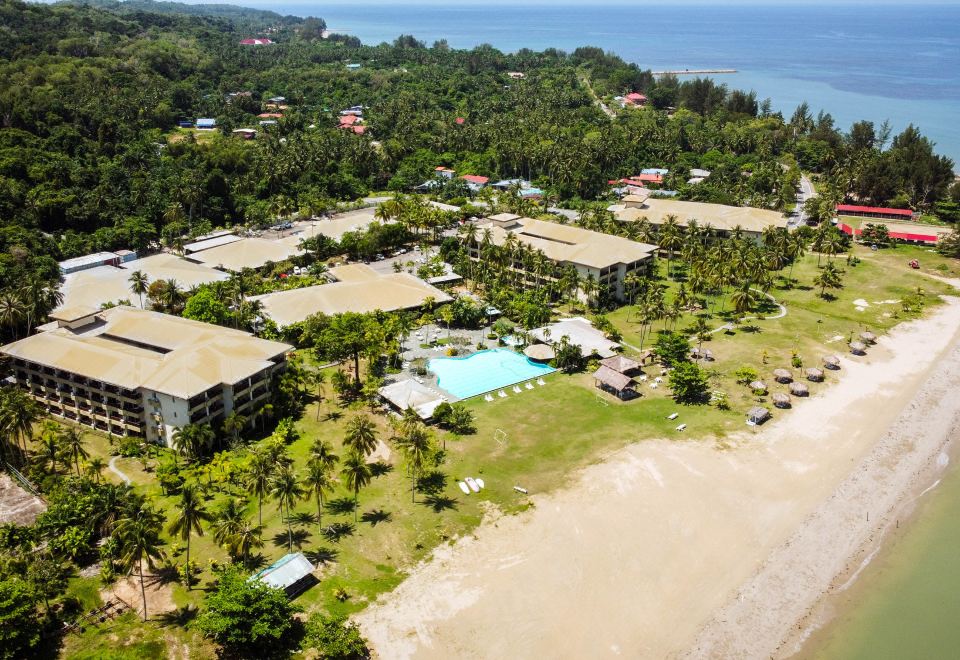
[(831, 361), (758, 386), (799, 389), (814, 374), (781, 400), (539, 352), (758, 415), (858, 347), (782, 375), (868, 337)]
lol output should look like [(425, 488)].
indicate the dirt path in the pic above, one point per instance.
[(112, 466)]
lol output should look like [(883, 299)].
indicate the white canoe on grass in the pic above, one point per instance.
[(480, 483), (464, 487), (473, 484)]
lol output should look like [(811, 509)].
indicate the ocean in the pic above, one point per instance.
[(884, 62)]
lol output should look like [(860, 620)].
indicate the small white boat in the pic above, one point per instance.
[(472, 484), (464, 487), (480, 483)]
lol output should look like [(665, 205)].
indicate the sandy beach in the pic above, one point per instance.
[(695, 548)]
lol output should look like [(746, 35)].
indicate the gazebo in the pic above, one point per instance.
[(831, 361), (799, 389), (615, 383), (858, 348), (701, 354), (781, 400), (868, 337), (540, 352), (758, 415), (621, 364), (814, 374), (782, 375), (758, 386)]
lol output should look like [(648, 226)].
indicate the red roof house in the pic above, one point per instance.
[(270, 115), (460, 121), (478, 180), (349, 120), (874, 212), (255, 42), (635, 98)]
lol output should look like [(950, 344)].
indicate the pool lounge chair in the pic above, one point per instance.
[(529, 385), (502, 394), (540, 381), (516, 390), (487, 397)]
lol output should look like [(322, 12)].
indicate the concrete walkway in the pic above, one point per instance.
[(112, 466)]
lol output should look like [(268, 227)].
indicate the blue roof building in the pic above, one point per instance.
[(206, 124)]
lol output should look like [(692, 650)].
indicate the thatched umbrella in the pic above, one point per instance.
[(782, 375), (539, 352), (858, 347), (781, 400), (831, 361), (707, 355), (868, 337), (814, 374), (758, 386), (758, 415), (799, 389)]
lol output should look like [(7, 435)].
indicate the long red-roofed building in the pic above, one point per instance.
[(255, 42), (874, 212)]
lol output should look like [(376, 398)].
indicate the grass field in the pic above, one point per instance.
[(537, 440)]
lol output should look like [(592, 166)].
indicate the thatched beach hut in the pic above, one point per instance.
[(781, 400), (799, 389), (868, 337), (814, 374), (615, 383), (831, 361), (701, 354), (758, 386), (539, 352), (758, 415), (782, 375), (858, 348), (621, 364)]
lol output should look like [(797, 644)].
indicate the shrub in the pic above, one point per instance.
[(745, 375), (335, 639), (689, 383)]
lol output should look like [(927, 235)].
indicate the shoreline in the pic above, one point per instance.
[(663, 527)]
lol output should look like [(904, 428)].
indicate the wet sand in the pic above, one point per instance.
[(690, 548)]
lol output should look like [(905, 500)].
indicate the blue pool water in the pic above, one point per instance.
[(484, 372)]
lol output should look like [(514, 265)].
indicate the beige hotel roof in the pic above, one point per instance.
[(718, 216), (245, 253), (133, 348), (359, 289), (565, 243)]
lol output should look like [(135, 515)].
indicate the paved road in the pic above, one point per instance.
[(806, 192)]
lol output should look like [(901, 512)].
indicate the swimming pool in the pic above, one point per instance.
[(484, 371)]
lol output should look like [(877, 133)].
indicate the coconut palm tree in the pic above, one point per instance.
[(193, 440), (356, 473), (72, 442), (138, 537), (11, 310), (361, 435), (246, 539), (259, 479), (319, 481), (95, 468), (228, 521), (50, 447), (416, 445), (287, 491), (18, 414), (139, 284), (322, 451), (191, 513)]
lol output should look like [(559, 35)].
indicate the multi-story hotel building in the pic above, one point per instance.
[(131, 372), (605, 258)]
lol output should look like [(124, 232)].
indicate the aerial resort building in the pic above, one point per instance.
[(607, 259), (874, 212), (235, 255), (130, 372), (356, 288), (722, 220)]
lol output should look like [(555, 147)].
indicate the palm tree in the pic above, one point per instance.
[(361, 435), (11, 310), (828, 278), (228, 521), (319, 481), (95, 468), (138, 536), (357, 475), (233, 425), (322, 451), (18, 413), (416, 445), (259, 479), (50, 444), (139, 284), (72, 442), (287, 491), (671, 238), (317, 379), (193, 440), (191, 513), (245, 539)]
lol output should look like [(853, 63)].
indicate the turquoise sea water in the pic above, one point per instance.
[(900, 63), (484, 372)]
